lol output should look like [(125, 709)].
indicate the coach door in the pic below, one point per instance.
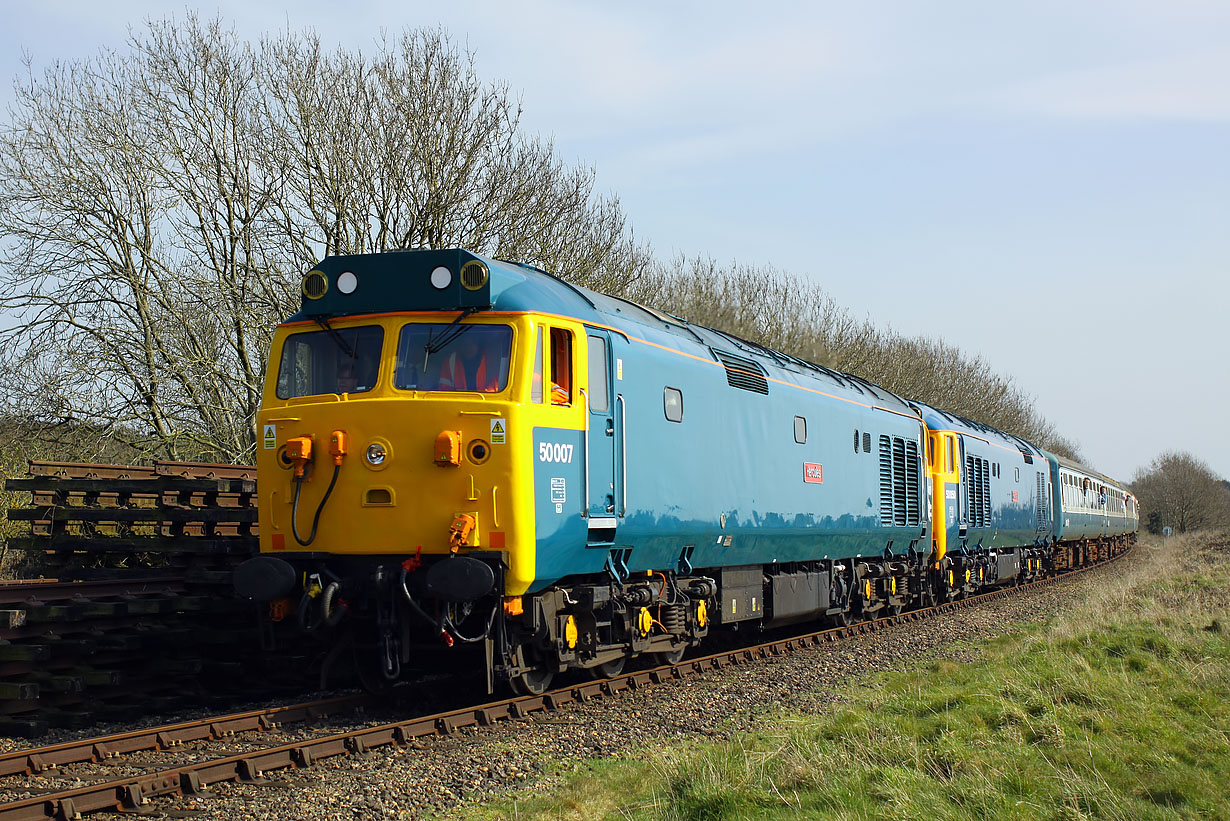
[(601, 457)]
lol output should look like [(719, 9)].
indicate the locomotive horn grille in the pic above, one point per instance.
[(315, 285), (473, 275)]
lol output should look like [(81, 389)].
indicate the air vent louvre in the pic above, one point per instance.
[(900, 503), (913, 468), (743, 373), (886, 481), (978, 491), (1043, 504)]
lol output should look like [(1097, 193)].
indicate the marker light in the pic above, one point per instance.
[(375, 454), (441, 278), (347, 282)]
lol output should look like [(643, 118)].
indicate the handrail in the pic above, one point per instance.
[(623, 455), (585, 448)]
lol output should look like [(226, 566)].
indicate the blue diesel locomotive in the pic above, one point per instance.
[(458, 451)]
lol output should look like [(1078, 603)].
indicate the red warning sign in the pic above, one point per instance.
[(813, 473)]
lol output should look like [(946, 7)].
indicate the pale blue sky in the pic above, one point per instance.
[(949, 168)]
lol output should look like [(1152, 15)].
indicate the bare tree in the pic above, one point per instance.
[(788, 313), (443, 162), (1181, 491), (161, 204)]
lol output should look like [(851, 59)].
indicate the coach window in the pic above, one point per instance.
[(673, 401), (800, 430), (561, 366)]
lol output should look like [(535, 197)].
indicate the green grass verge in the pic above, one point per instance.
[(1120, 710)]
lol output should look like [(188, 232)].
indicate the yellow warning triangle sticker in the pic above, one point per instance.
[(496, 427)]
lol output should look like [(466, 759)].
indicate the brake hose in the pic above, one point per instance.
[(444, 624), (294, 510)]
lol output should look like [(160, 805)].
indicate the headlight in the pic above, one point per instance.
[(480, 451), (375, 454), (473, 275), (347, 282), (315, 285)]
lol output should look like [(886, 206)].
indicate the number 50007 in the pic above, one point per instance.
[(554, 452)]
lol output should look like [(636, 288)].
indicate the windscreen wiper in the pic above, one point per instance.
[(341, 343), (448, 336)]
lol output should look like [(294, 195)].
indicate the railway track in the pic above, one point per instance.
[(134, 792)]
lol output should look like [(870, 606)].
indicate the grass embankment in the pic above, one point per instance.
[(1120, 709)]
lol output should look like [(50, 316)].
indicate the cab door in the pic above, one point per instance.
[(600, 445)]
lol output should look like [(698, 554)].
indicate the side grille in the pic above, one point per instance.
[(913, 469), (899, 477), (978, 491), (1043, 504)]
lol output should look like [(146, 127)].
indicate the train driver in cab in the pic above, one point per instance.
[(346, 379), (470, 366)]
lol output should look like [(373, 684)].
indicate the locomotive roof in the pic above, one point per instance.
[(396, 281), (937, 419)]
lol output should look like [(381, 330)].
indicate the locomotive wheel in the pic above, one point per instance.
[(671, 657), (841, 619), (533, 682), (536, 680), (608, 669)]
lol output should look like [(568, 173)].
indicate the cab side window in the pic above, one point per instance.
[(536, 383), (561, 366), (598, 399)]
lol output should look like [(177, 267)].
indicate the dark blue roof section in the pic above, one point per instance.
[(937, 419), (401, 281)]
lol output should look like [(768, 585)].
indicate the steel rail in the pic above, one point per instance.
[(40, 759), (132, 792)]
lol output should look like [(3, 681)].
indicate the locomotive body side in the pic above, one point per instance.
[(762, 461)]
